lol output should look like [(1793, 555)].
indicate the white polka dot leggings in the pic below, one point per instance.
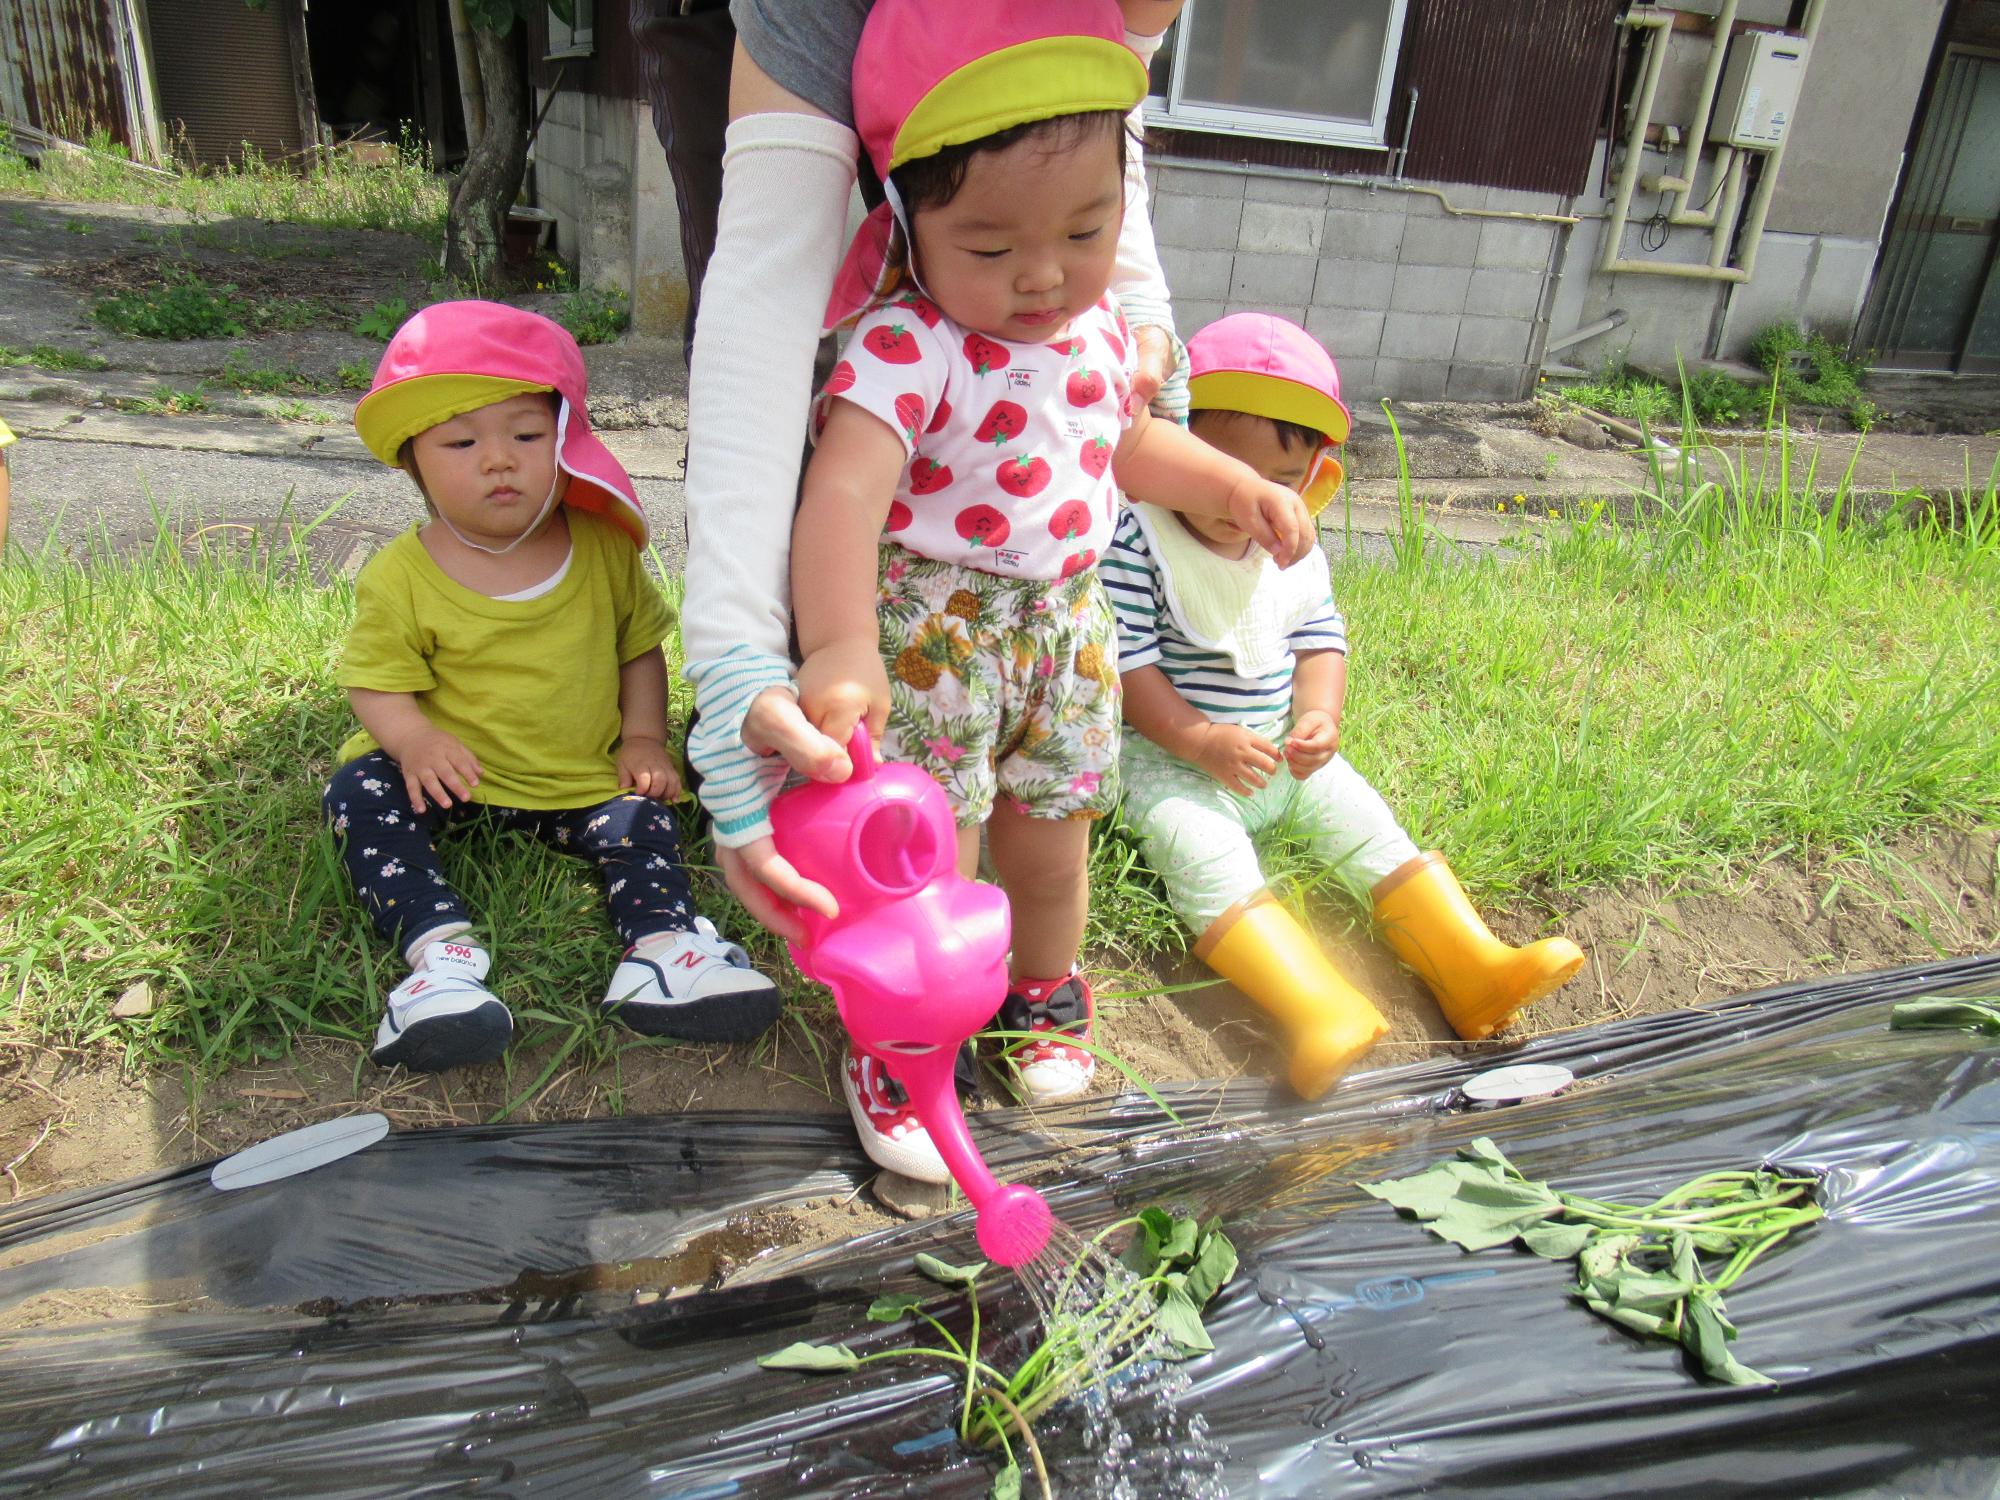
[(390, 853)]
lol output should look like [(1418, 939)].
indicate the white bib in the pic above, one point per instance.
[(1245, 609)]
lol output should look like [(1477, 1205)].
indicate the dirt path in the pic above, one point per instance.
[(69, 1121)]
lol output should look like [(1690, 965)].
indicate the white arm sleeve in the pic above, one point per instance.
[(779, 236), (1138, 278)]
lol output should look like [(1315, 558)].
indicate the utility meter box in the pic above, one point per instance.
[(1759, 91)]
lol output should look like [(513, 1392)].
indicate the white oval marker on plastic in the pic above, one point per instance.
[(298, 1151), (1513, 1084)]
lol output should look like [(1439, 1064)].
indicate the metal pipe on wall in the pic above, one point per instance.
[(1716, 268)]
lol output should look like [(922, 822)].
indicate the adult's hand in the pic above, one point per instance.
[(1149, 17)]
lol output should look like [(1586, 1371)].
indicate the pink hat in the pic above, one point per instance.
[(455, 357), (930, 74), (1268, 367)]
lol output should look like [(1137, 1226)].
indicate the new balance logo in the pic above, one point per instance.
[(693, 958)]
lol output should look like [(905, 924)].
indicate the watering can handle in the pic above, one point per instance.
[(861, 751)]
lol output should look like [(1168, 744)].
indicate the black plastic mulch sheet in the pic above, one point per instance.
[(419, 1320)]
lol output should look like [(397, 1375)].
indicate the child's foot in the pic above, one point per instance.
[(1051, 1069), (890, 1131), (692, 986), (443, 1016)]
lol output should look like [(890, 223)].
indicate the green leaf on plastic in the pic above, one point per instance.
[(944, 1272), (1007, 1483), (1483, 1150), (1629, 1317), (1214, 1264), (894, 1307), (1976, 1013), (819, 1357), (1556, 1241), (1707, 1333), (1180, 1320), (1179, 1241), (1426, 1194)]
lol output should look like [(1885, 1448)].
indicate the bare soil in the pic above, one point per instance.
[(69, 1120)]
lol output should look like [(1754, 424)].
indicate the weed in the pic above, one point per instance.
[(1619, 393), (1717, 400), (383, 319), (551, 274), (264, 380), (77, 226), (169, 402), (1809, 369), (594, 315), (298, 411), (355, 376), (333, 191), (180, 307), (48, 357)]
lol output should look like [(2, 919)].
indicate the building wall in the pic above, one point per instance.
[(599, 168), (1841, 166), (1414, 301), (1417, 302)]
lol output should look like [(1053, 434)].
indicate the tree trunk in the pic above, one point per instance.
[(486, 188), (466, 56)]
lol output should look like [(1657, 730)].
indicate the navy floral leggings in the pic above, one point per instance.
[(390, 853)]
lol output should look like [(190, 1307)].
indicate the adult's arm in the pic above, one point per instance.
[(787, 171)]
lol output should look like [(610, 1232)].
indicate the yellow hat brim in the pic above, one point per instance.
[(1270, 396), (388, 418), (1323, 483), (1018, 85)]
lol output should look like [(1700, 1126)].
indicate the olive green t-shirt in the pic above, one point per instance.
[(530, 685)]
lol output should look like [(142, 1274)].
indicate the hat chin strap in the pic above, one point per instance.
[(902, 217), (555, 488)]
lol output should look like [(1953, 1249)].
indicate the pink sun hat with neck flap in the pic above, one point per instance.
[(928, 75), (1261, 364), (455, 357)]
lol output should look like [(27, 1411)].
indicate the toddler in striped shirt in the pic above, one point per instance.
[(1234, 672)]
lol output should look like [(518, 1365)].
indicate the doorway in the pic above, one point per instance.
[(1936, 300)]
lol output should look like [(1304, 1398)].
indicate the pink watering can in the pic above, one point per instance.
[(916, 960)]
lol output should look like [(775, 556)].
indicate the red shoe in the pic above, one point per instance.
[(890, 1131), (1052, 1069)]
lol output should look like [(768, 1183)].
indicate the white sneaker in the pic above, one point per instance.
[(693, 986), (442, 1016), (891, 1133)]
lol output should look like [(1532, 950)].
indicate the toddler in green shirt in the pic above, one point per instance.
[(505, 663)]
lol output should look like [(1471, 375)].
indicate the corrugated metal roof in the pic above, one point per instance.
[(59, 68)]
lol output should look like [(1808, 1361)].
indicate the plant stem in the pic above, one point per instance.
[(965, 1412), (1027, 1438)]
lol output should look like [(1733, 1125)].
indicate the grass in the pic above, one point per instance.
[(169, 401), (49, 357), (1741, 671), (1802, 369), (331, 192)]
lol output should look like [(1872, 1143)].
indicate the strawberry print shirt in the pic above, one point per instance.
[(1008, 446)]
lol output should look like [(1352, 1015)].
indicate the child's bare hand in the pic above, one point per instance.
[(1276, 520), (436, 768), (1314, 739), (644, 766), (840, 684), (1240, 760)]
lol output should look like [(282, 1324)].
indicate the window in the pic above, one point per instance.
[(1294, 70), (571, 38)]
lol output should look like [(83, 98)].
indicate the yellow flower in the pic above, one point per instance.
[(1520, 499), (1499, 504), (1555, 515)]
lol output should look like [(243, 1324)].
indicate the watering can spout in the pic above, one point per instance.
[(916, 958)]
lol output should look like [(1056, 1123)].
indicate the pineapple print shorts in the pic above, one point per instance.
[(1001, 687)]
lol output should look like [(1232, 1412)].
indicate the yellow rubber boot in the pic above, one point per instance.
[(1481, 983), (1259, 948)]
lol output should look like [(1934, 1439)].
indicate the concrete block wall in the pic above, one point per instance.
[(1415, 302), (599, 168)]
